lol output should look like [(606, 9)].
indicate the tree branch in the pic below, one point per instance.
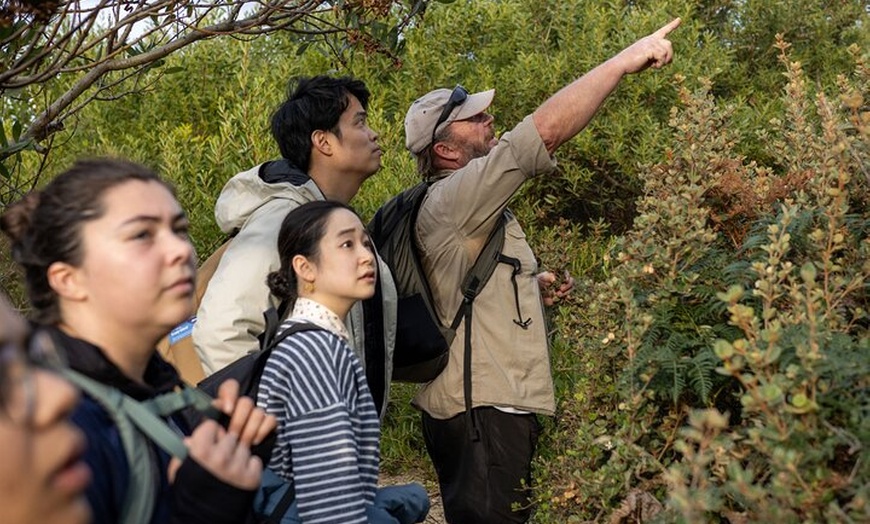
[(88, 43)]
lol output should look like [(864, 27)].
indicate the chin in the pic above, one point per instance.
[(79, 512), (67, 511), (170, 319)]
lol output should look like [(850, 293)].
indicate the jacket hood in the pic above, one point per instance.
[(249, 190)]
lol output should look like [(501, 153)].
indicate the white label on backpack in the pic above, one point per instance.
[(183, 330)]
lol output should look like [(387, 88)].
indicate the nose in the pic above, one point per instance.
[(180, 250), (373, 135), (367, 256)]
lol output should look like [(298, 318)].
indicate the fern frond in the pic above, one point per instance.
[(700, 370)]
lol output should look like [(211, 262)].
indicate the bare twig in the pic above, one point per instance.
[(86, 42)]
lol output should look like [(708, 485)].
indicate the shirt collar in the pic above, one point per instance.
[(317, 313), (88, 359)]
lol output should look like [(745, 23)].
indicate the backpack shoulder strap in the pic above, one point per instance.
[(472, 285), (270, 336), (296, 327), (480, 273), (401, 208), (136, 424), (141, 414), (188, 396)]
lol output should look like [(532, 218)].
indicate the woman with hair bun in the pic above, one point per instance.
[(328, 427), (110, 270)]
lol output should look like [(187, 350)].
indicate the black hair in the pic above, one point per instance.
[(45, 226), (300, 234), (313, 103)]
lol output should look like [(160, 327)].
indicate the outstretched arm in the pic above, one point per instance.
[(567, 112)]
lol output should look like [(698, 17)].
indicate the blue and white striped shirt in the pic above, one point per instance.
[(328, 428)]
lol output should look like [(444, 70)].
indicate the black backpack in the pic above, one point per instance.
[(422, 341), (247, 371)]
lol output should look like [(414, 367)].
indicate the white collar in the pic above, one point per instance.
[(317, 313)]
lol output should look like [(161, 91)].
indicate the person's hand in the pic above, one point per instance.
[(248, 423), (654, 50), (549, 295), (223, 455)]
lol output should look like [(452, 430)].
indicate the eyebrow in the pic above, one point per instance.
[(152, 219), (348, 231)]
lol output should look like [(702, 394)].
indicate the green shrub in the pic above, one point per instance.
[(736, 314), (659, 208)]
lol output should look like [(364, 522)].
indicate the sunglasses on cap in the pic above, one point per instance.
[(457, 98)]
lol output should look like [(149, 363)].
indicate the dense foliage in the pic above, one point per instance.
[(712, 363), (734, 320)]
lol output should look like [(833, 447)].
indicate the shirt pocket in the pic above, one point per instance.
[(516, 246)]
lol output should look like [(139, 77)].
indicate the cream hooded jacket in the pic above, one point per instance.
[(230, 317)]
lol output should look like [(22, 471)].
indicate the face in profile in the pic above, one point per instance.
[(473, 137), (138, 265), (345, 269), (357, 150), (42, 476)]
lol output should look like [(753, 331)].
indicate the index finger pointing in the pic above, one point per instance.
[(670, 26)]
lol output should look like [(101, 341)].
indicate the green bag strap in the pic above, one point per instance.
[(169, 403), (138, 505), (139, 413)]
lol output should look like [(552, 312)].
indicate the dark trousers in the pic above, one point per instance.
[(481, 480)]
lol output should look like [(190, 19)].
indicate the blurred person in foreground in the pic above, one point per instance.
[(43, 475)]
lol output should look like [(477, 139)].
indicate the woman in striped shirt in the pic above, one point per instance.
[(314, 384)]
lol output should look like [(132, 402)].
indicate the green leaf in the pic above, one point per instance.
[(352, 20), (302, 48), (16, 130), (808, 272), (16, 147), (3, 140)]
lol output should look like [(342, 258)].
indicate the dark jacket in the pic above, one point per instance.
[(196, 496)]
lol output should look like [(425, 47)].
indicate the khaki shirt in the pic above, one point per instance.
[(511, 365)]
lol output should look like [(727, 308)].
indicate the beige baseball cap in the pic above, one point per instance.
[(425, 111)]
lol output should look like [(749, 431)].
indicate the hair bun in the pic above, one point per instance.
[(18, 217), (280, 285)]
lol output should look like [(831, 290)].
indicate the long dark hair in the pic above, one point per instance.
[(45, 226)]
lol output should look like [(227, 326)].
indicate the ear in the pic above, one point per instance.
[(321, 142), (304, 269), (66, 281), (445, 151)]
